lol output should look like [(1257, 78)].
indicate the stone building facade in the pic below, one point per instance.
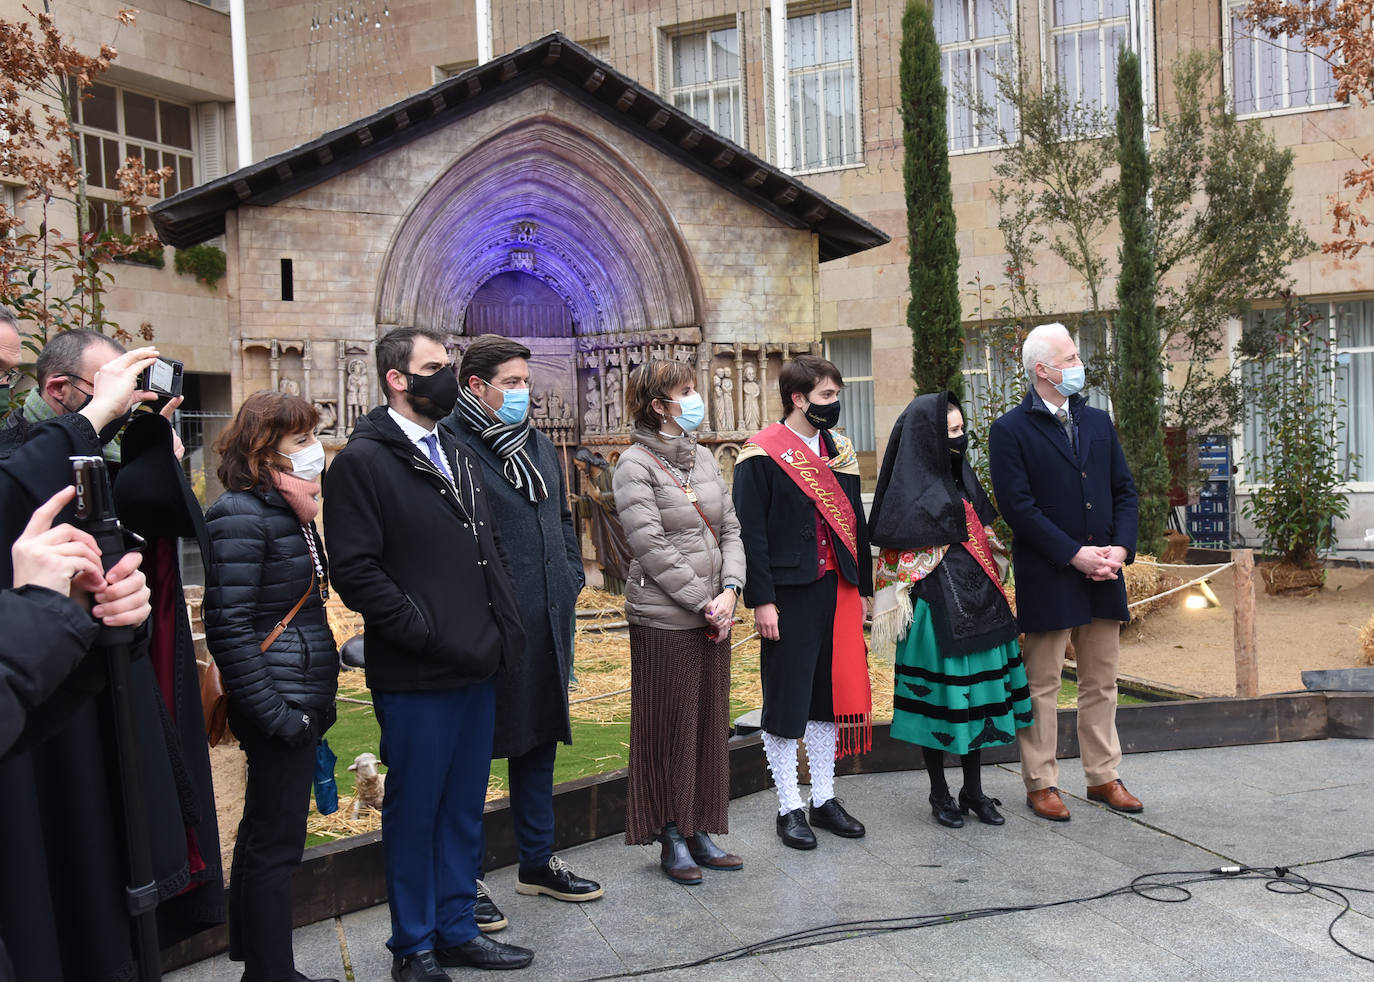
[(719, 58)]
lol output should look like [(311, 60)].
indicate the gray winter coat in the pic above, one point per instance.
[(678, 567), (546, 568)]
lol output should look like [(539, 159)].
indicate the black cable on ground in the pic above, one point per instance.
[(1161, 887)]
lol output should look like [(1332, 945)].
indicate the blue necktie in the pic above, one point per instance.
[(431, 443)]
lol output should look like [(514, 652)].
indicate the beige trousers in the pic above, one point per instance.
[(1097, 648)]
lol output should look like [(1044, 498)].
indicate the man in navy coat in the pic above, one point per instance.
[(1063, 486)]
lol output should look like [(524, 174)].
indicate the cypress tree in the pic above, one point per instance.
[(934, 317), (1139, 383)]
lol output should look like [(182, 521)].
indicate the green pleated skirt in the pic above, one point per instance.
[(957, 704)]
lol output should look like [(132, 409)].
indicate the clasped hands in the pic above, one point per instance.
[(1099, 562), (65, 560), (720, 613)]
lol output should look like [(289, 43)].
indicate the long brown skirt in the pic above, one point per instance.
[(679, 722)]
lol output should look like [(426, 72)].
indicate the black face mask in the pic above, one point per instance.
[(823, 417), (434, 396), (958, 445)]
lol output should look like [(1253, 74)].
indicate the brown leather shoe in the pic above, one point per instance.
[(1047, 804), (1114, 795)]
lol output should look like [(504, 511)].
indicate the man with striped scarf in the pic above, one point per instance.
[(527, 494)]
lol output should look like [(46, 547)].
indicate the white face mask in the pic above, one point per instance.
[(308, 462)]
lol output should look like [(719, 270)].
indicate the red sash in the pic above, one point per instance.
[(850, 685), (815, 479), (978, 547)]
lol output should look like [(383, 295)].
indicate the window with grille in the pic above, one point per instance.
[(976, 44), (823, 83), (1349, 325), (1085, 38), (116, 123), (853, 356), (1273, 74), (704, 79)]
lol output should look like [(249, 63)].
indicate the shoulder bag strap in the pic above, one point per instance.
[(664, 469), (281, 624)]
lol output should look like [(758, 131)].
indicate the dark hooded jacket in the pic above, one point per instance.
[(919, 503), (433, 588)]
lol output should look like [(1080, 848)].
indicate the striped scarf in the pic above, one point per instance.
[(507, 441)]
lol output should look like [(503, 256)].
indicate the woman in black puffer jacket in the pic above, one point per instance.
[(268, 557)]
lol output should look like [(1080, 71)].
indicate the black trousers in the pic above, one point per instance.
[(796, 668), (270, 842)]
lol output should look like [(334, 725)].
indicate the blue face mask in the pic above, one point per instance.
[(515, 403), (693, 411), (1072, 381)]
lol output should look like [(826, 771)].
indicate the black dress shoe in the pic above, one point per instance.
[(418, 967), (555, 879), (794, 832), (834, 818), (301, 977), (982, 806), (945, 811), (482, 952), (489, 916)]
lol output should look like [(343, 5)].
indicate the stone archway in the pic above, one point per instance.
[(546, 198)]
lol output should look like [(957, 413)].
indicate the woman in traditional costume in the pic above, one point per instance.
[(959, 684)]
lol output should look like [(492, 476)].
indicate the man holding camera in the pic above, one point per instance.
[(63, 912)]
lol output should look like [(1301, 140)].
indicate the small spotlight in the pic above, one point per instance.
[(1201, 597)]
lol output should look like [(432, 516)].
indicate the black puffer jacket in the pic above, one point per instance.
[(262, 566)]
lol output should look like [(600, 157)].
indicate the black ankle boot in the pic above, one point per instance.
[(945, 811), (982, 806), (676, 860)]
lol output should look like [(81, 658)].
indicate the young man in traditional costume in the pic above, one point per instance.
[(810, 582)]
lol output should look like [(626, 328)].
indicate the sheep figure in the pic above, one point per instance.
[(370, 785)]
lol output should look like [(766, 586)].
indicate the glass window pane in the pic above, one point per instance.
[(834, 117), (811, 121), (836, 40), (1089, 68), (689, 59), (951, 21), (958, 114), (990, 18), (1268, 76), (1066, 64), (112, 163), (99, 110), (987, 93), (140, 116), (186, 174), (176, 125), (1242, 67), (725, 54), (1074, 11), (801, 41), (95, 173), (851, 120), (1114, 8)]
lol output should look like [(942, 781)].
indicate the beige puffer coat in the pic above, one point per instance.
[(678, 567)]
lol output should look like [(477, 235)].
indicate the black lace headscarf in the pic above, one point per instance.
[(919, 503)]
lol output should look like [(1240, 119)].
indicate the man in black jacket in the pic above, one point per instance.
[(810, 581), (414, 551)]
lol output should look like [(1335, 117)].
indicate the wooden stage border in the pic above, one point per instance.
[(345, 876)]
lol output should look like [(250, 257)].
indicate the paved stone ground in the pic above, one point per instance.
[(1269, 805)]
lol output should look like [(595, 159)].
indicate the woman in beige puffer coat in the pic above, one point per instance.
[(680, 596)]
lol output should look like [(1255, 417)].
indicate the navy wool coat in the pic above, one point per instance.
[(1057, 501), (546, 567)]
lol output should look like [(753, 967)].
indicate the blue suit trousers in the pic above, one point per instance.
[(436, 746)]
